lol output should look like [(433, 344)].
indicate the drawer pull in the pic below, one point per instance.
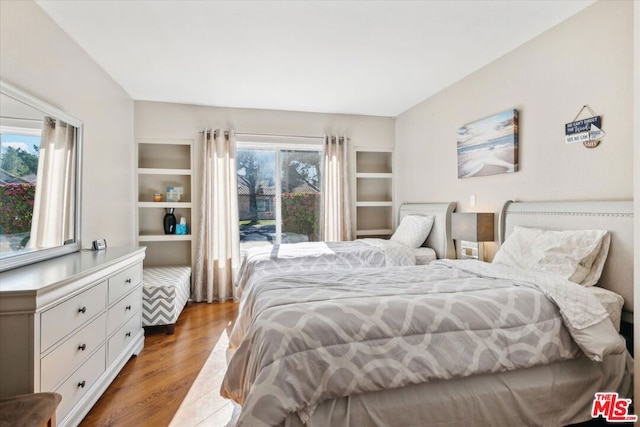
[(128, 281), (83, 347), (82, 310), (128, 307), (128, 334), (81, 384)]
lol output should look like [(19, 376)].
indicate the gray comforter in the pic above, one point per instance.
[(303, 339), (271, 260)]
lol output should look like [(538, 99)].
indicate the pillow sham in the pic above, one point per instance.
[(611, 302), (413, 230), (575, 255)]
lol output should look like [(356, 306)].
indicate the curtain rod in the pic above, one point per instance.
[(292, 136), (267, 134), (21, 119), (216, 131), (279, 136)]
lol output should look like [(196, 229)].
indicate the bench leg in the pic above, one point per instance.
[(170, 329)]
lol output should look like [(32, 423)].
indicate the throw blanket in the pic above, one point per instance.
[(265, 261), (325, 335)]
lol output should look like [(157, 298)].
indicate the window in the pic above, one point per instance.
[(18, 173), (264, 205), (278, 193)]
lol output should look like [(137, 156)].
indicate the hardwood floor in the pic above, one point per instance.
[(153, 388)]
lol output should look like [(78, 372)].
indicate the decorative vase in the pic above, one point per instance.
[(169, 222)]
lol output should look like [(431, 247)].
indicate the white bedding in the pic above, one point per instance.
[(611, 302), (424, 255), (265, 261), (557, 394), (302, 339), (576, 255)]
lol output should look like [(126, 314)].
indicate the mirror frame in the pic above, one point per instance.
[(19, 259)]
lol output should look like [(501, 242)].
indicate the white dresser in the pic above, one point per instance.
[(69, 325)]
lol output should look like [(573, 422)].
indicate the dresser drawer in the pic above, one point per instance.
[(62, 319), (124, 309), (123, 337), (124, 281), (80, 382), (71, 353)]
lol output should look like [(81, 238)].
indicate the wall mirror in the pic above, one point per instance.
[(40, 177)]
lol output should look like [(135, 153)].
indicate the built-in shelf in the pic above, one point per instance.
[(374, 211), (164, 237), (175, 205), (159, 171), (373, 204), (374, 175), (163, 163)]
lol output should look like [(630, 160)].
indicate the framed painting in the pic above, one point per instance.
[(489, 146)]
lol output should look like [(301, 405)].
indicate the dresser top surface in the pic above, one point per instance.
[(38, 277)]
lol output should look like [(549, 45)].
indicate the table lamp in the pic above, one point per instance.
[(472, 229)]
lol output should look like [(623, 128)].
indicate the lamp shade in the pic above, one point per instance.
[(472, 226)]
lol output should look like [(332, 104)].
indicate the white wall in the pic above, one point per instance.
[(165, 120), (584, 60), (39, 58), (179, 121)]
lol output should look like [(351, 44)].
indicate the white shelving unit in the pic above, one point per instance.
[(162, 163), (374, 191)]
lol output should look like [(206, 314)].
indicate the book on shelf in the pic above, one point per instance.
[(174, 194)]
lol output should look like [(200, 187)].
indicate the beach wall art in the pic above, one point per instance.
[(489, 146)]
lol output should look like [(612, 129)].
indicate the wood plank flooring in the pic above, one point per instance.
[(153, 389)]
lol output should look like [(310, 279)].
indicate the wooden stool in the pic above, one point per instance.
[(26, 410)]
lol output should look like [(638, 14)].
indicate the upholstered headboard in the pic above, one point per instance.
[(440, 237), (614, 216)]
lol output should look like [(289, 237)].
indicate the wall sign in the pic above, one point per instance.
[(587, 131)]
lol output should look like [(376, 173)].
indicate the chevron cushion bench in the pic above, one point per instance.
[(165, 292)]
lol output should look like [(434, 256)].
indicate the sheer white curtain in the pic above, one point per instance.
[(218, 241), (336, 216), (53, 207)]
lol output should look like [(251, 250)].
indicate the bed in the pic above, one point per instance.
[(447, 344), (401, 250)]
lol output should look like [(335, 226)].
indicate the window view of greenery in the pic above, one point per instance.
[(294, 187), (18, 173)]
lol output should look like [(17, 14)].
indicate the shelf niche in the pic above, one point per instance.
[(374, 192), (162, 164)]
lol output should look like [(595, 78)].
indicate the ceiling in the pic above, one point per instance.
[(359, 57)]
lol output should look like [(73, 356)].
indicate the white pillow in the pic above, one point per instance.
[(575, 255), (425, 255), (611, 302), (413, 230)]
